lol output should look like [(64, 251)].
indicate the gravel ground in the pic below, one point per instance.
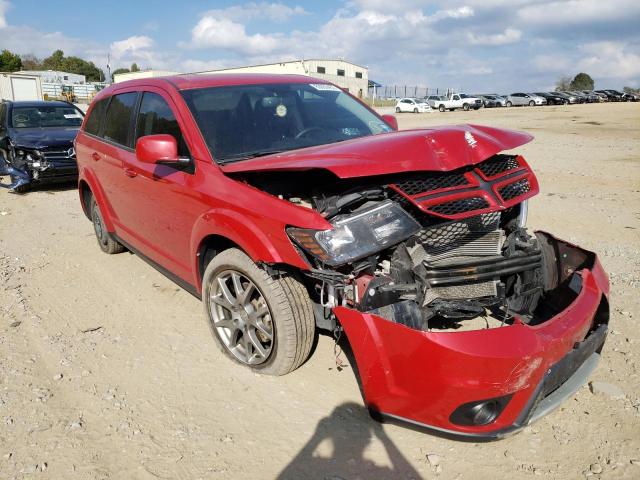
[(108, 371)]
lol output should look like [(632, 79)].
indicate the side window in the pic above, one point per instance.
[(456, 97), (95, 118), (321, 70), (340, 72), (117, 124), (156, 117), (358, 74), (3, 114)]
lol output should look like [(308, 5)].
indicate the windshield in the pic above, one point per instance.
[(240, 122), (43, 116)]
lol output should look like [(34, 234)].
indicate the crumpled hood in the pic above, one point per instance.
[(44, 137), (432, 149)]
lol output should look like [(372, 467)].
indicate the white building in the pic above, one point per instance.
[(54, 76), (123, 77), (347, 75)]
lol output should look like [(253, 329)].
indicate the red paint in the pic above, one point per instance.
[(167, 214), (425, 376)]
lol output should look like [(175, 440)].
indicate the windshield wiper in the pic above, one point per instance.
[(248, 155)]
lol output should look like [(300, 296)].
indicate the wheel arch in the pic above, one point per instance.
[(88, 186), (219, 230)]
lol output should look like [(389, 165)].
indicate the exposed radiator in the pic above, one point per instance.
[(467, 239)]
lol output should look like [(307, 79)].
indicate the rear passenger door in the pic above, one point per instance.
[(165, 209), (117, 145)]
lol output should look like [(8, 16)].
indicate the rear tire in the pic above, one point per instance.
[(104, 238), (234, 291), (441, 108), (509, 104), (415, 110)]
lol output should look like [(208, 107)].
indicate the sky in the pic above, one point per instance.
[(473, 45)]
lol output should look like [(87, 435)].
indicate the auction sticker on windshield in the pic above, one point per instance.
[(324, 86)]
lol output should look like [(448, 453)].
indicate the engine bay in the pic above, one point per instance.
[(430, 250)]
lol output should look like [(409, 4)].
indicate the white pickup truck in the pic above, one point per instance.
[(455, 101)]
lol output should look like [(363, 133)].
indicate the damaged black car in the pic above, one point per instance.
[(36, 143)]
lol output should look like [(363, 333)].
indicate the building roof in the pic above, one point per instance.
[(189, 81), (285, 63)]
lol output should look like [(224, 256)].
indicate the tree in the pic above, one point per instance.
[(582, 81), (54, 62), (31, 62), (57, 61), (631, 90), (9, 62), (134, 67), (563, 83), (119, 71)]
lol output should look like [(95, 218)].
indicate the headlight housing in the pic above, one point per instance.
[(358, 235)]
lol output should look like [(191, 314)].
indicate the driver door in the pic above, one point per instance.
[(166, 205)]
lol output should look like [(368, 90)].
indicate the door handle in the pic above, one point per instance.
[(130, 172), (95, 156)]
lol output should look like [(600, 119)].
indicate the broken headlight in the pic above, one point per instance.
[(358, 235)]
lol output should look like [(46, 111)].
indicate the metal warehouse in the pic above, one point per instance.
[(346, 75)]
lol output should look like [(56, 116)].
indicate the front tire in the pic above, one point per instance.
[(415, 110), (509, 104), (532, 103), (441, 108), (105, 240), (465, 107), (257, 320), (397, 109)]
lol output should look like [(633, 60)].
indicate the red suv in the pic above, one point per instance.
[(289, 206)]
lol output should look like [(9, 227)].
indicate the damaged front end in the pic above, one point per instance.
[(460, 320), (27, 165)]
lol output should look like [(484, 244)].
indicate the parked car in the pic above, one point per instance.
[(572, 99), (601, 96), (500, 101), (487, 101), (592, 97), (36, 142), (633, 96), (412, 105), (582, 96), (553, 98), (520, 99), (289, 206), (457, 101), (612, 95)]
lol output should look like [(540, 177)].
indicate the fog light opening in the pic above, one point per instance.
[(478, 413)]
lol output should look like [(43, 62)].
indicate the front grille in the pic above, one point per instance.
[(515, 189), (435, 192), (456, 207), (431, 182), (498, 164), (452, 234)]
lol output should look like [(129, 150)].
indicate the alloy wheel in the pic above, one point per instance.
[(241, 317)]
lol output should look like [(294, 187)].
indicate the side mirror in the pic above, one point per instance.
[(391, 120), (160, 148)]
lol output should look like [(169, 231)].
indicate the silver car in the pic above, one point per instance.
[(522, 99)]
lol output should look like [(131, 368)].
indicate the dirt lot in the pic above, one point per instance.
[(108, 371)]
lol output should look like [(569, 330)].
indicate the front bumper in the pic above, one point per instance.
[(422, 377)]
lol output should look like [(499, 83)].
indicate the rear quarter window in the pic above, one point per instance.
[(96, 116), (117, 124)]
